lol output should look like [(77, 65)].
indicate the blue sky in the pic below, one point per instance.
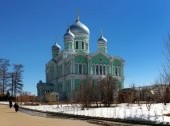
[(135, 30)]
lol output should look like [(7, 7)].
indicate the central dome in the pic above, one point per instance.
[(78, 28)]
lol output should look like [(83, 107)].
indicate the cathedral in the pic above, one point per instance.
[(67, 68)]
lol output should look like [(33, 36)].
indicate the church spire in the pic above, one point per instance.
[(78, 18), (78, 15)]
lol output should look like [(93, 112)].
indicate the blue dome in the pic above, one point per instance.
[(69, 34), (56, 46), (102, 39)]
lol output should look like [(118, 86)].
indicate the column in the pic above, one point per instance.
[(73, 66), (102, 69)]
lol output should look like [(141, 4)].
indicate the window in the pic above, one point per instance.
[(100, 70), (116, 71), (97, 69), (76, 44), (80, 69), (76, 68), (82, 45), (68, 69)]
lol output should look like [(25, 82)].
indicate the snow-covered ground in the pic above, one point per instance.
[(122, 111)]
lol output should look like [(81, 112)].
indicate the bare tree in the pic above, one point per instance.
[(166, 66), (4, 74), (109, 88), (86, 92), (161, 91), (96, 97), (17, 76), (101, 91), (162, 85)]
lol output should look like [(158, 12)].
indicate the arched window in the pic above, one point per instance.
[(80, 69), (100, 69), (76, 68), (97, 69), (76, 44), (116, 71)]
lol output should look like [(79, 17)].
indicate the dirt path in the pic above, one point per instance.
[(8, 117)]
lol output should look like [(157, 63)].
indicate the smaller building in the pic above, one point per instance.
[(26, 93), (155, 93), (43, 90)]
